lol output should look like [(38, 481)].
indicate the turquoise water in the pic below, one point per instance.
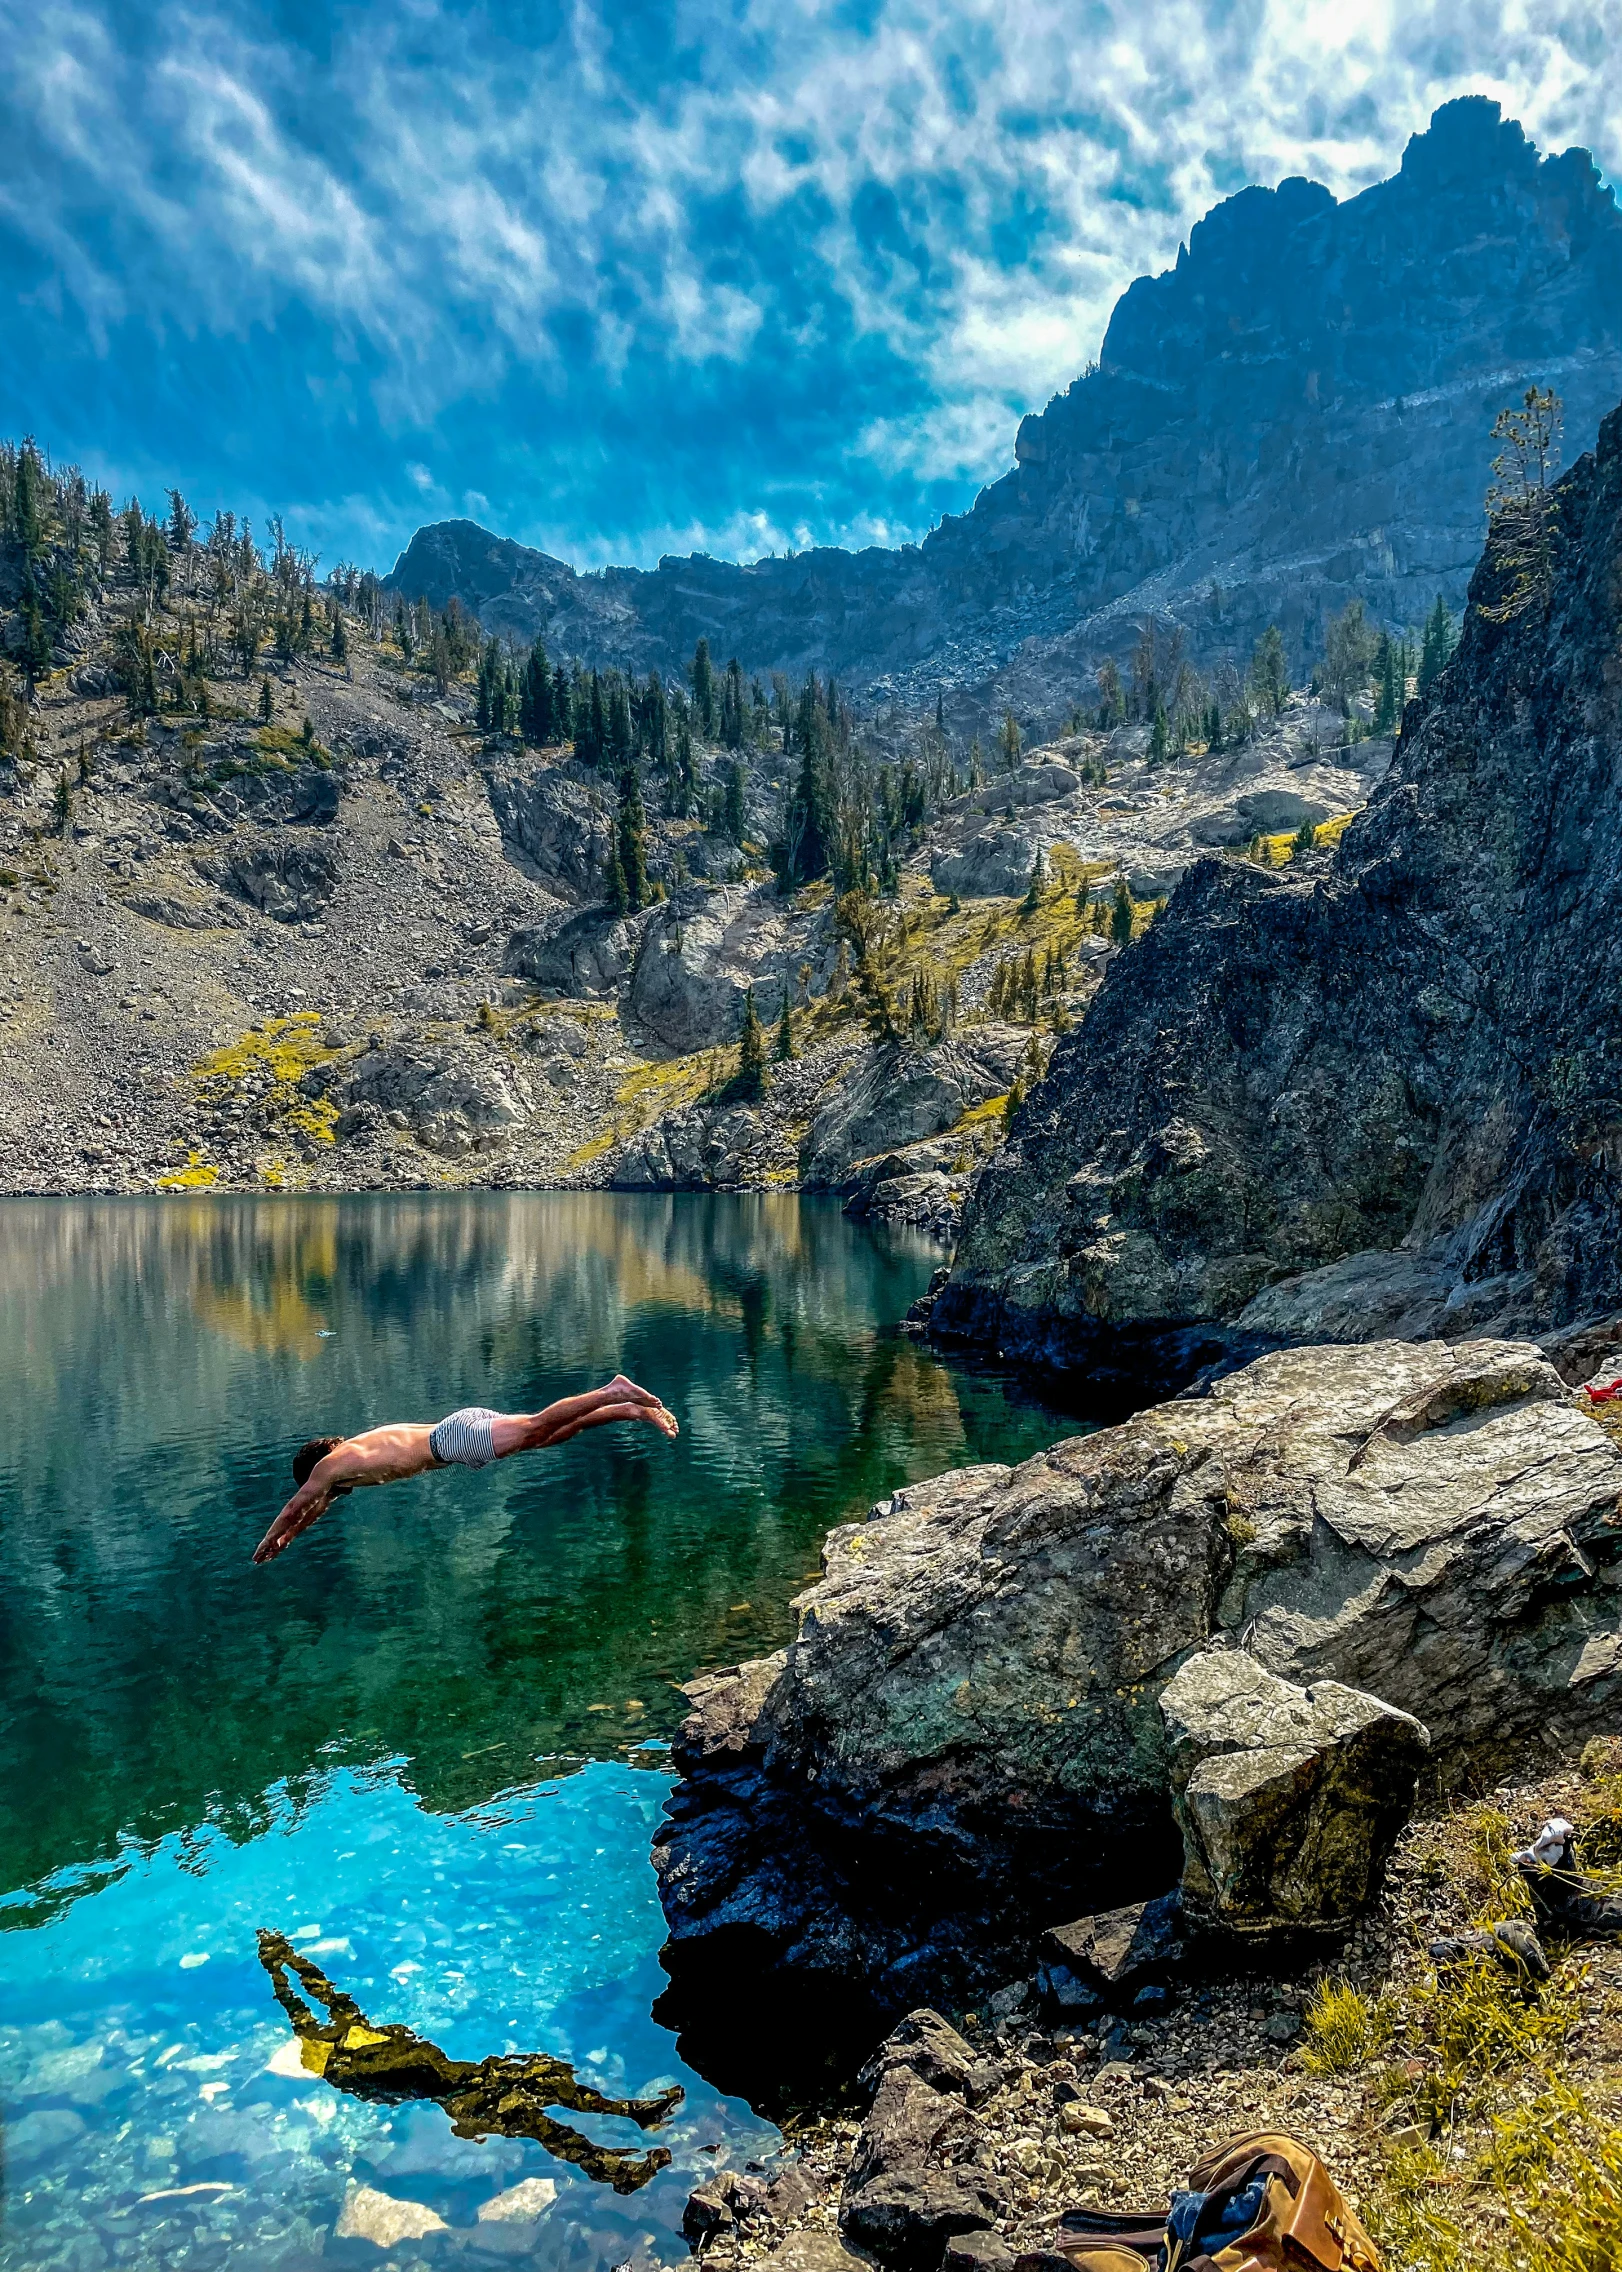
[(427, 1744)]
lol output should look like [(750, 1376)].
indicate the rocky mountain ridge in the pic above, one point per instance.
[(314, 928), (1295, 415), (1379, 1098)]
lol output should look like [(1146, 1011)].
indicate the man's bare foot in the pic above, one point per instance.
[(629, 1390)]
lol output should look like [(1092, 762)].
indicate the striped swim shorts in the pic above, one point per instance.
[(465, 1438)]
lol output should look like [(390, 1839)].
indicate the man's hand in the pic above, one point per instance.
[(306, 1506)]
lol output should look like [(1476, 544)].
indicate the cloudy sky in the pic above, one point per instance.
[(625, 277)]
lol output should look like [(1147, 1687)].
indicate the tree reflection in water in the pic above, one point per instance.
[(507, 2096)]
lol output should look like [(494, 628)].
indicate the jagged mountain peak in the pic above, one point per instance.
[(1296, 413)]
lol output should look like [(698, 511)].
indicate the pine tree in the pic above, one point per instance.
[(28, 502), (703, 676), (1037, 884), (785, 1031), (736, 822), (1387, 704), (535, 698), (1270, 672), (1027, 986), (1523, 508), (484, 694), (1159, 740), (1121, 915), (630, 839), (732, 706), (1009, 741), (563, 710), (682, 772), (617, 895), (591, 723), (340, 639), (751, 1080), (182, 522), (1438, 645), (618, 737), (267, 701), (655, 721)]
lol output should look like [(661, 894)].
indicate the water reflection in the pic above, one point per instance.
[(164, 1358), (505, 2096)]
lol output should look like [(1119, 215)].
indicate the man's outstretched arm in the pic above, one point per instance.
[(381, 1455)]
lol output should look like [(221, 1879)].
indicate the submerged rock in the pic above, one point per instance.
[(964, 1743)]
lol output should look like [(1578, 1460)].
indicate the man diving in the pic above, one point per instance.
[(328, 1466)]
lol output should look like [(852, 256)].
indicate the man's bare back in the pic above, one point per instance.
[(390, 1454)]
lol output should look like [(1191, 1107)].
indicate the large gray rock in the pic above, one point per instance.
[(587, 956), (994, 863), (559, 822), (902, 1094), (705, 950), (1289, 1799), (454, 1098), (964, 1741), (1263, 813), (289, 880), (705, 1147)]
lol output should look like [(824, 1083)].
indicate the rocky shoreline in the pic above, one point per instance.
[(1048, 2115)]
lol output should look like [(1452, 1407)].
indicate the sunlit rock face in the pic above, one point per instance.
[(1297, 413)]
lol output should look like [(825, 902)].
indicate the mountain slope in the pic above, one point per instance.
[(1295, 414), (1383, 1099)]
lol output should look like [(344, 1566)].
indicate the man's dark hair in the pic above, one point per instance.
[(311, 1454)]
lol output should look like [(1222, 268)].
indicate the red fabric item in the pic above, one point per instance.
[(1603, 1395)]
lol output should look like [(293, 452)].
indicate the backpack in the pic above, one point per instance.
[(1261, 2203)]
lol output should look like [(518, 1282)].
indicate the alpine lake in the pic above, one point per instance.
[(425, 1751)]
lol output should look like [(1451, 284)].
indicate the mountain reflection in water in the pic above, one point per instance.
[(164, 1358)]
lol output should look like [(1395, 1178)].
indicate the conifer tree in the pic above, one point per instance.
[(703, 676), (1159, 740), (680, 770), (563, 711), (182, 522), (630, 838), (101, 530), (655, 721), (1438, 645), (1037, 884), (535, 698), (785, 1031), (1121, 915), (267, 701), (591, 723), (736, 820), (732, 706), (1009, 741), (340, 639), (1269, 671), (751, 1079), (618, 738)]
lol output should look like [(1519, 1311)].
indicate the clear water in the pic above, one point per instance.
[(426, 1743)]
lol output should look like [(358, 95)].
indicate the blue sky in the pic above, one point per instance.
[(659, 275)]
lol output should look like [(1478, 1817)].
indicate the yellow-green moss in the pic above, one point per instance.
[(196, 1175), (286, 1046)]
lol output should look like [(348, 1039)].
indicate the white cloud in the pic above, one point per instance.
[(968, 184)]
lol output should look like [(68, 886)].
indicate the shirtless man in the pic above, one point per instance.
[(328, 1466)]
